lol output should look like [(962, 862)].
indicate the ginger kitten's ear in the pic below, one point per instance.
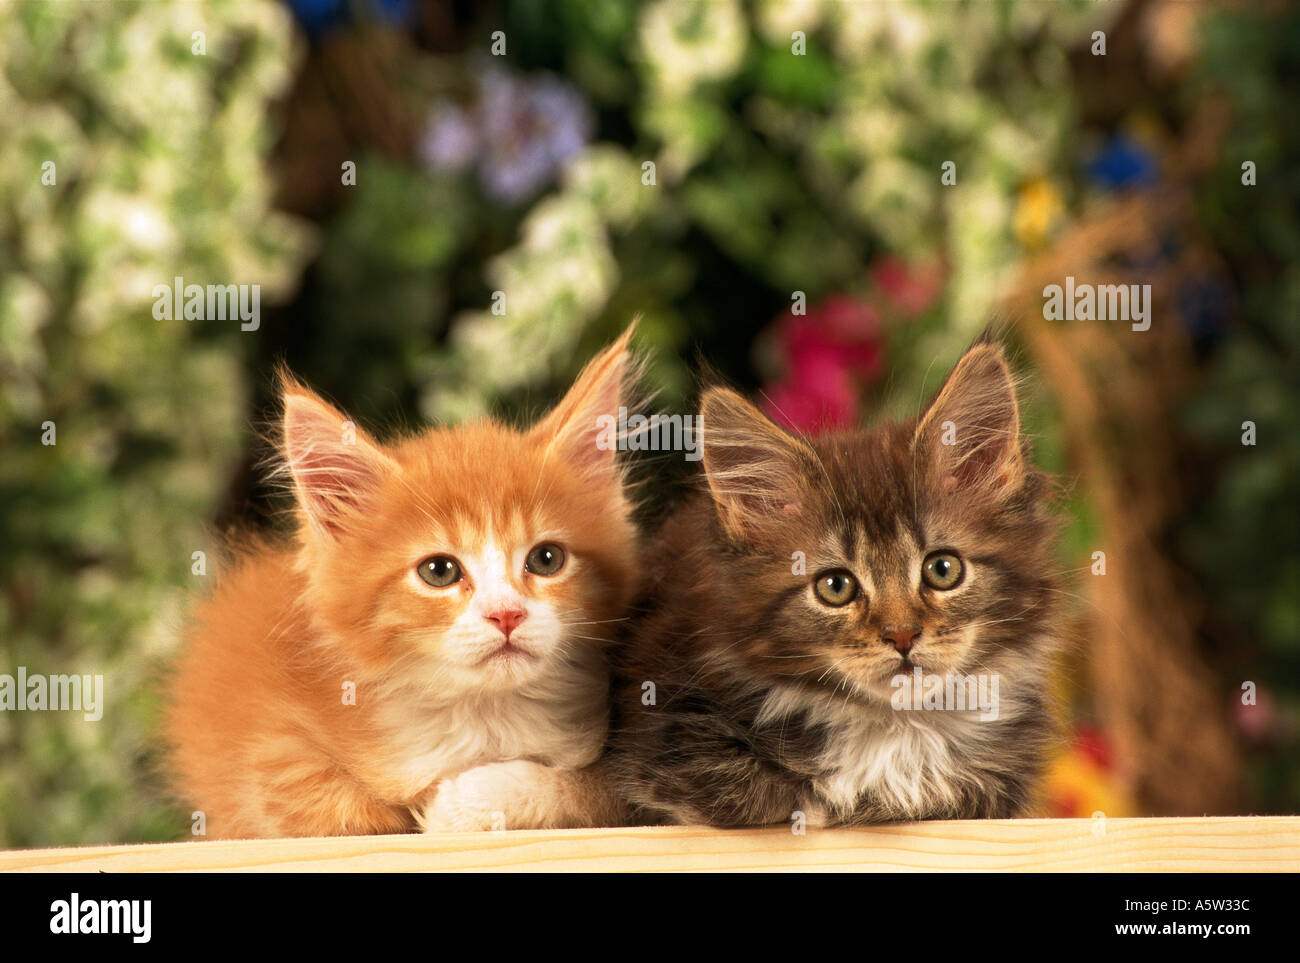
[(755, 469), (971, 429), (579, 427), (333, 463)]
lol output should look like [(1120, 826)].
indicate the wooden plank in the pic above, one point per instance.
[(1245, 844)]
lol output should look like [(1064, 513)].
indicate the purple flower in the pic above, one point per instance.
[(451, 141), (529, 128), (521, 131)]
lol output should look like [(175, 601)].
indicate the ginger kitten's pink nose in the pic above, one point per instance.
[(901, 639), (506, 620)]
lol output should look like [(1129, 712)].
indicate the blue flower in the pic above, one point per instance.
[(1123, 162), (318, 16)]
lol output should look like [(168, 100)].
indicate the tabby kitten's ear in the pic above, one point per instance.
[(578, 428), (971, 429), (755, 469), (333, 463)]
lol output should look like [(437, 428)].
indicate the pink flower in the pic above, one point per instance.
[(910, 289), (826, 356), (1260, 722), (812, 403)]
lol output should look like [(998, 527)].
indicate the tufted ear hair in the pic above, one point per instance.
[(578, 428), (334, 465), (970, 431), (754, 467)]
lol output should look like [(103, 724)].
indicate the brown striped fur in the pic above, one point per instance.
[(741, 699)]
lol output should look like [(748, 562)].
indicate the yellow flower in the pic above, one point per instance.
[(1039, 210), (1076, 787)]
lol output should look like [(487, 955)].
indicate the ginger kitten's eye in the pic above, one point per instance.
[(942, 570), (439, 571), (836, 588), (545, 559)]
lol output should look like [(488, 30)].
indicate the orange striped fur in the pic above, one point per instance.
[(458, 721)]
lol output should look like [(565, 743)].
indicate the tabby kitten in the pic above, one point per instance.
[(790, 606), (429, 650)]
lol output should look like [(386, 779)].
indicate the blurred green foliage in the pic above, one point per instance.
[(157, 172)]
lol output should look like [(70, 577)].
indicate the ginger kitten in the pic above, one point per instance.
[(428, 651), (790, 604)]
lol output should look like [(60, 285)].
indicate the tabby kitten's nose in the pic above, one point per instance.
[(506, 620), (901, 639)]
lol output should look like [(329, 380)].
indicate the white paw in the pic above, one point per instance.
[(491, 797)]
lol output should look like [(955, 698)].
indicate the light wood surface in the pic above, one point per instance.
[(1254, 844)]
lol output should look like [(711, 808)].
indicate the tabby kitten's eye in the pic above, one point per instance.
[(545, 559), (942, 570), (837, 588), (439, 571)]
